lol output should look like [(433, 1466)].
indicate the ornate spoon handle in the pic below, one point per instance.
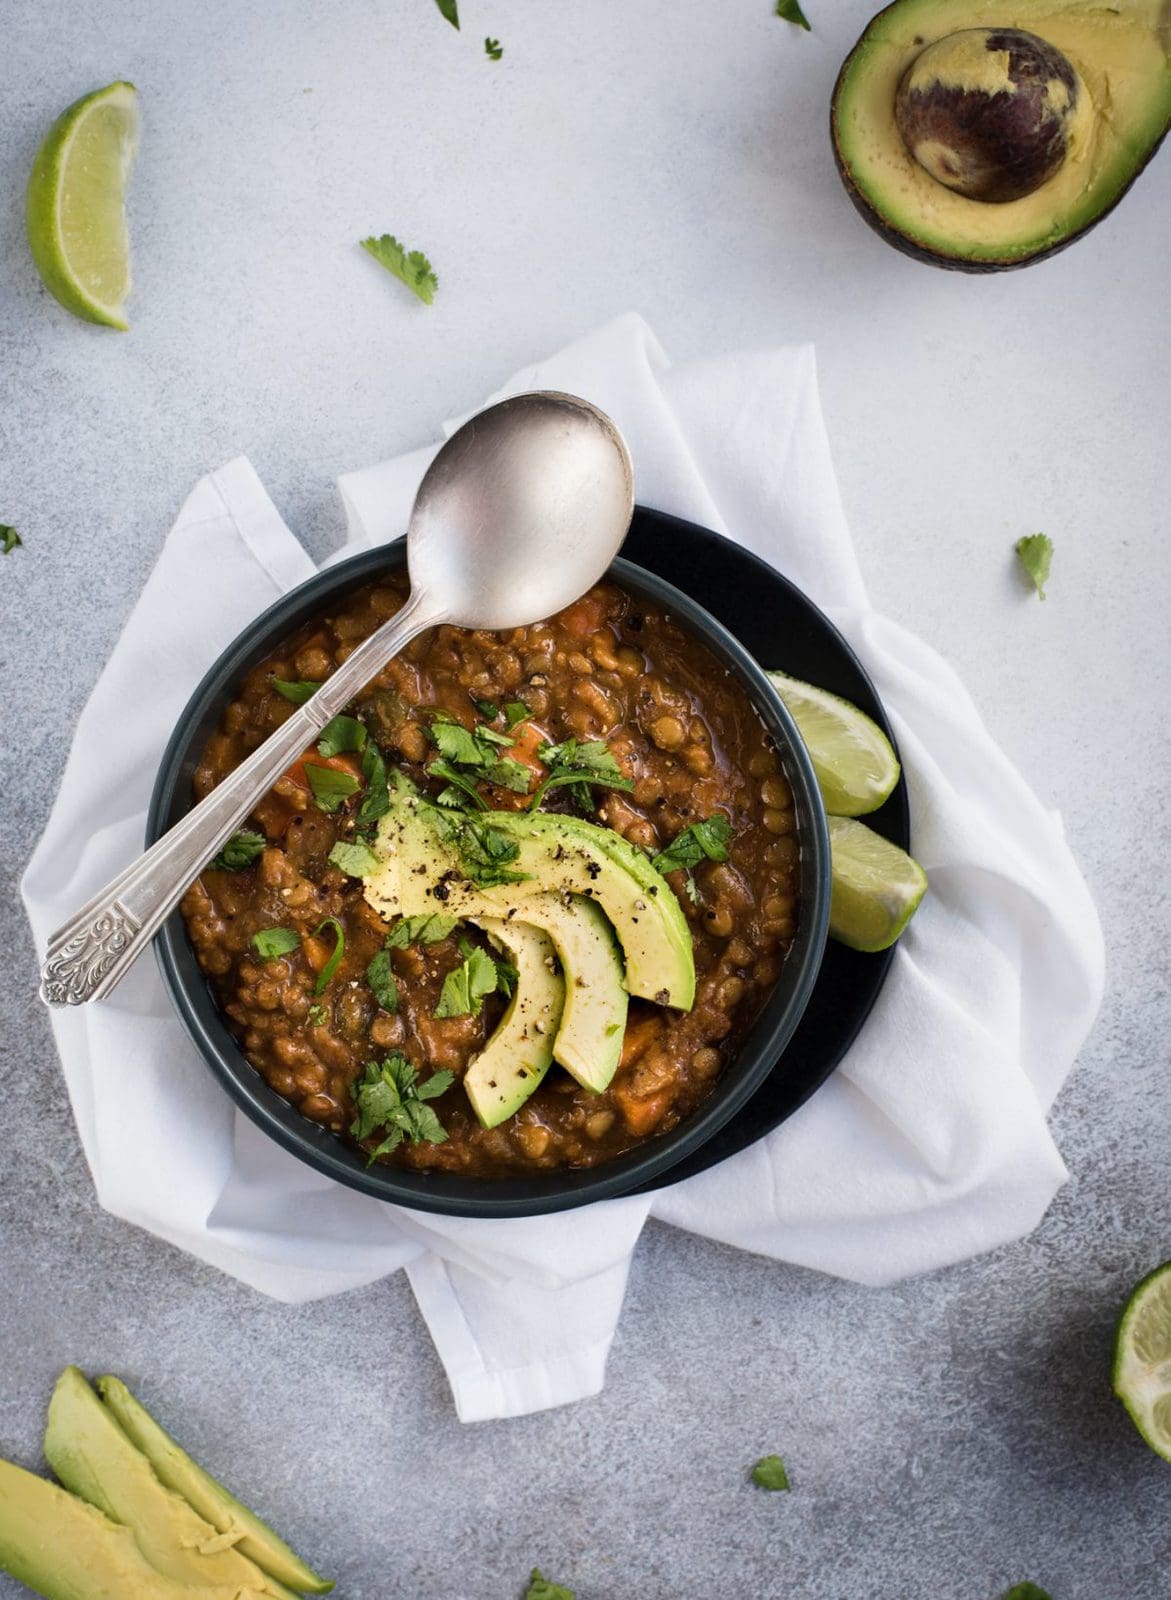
[(92, 952)]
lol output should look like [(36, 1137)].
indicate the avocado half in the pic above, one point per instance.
[(1121, 55)]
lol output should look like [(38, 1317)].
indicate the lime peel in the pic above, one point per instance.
[(875, 888), (1142, 1359), (853, 760)]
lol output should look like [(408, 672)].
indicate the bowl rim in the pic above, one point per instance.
[(559, 1189)]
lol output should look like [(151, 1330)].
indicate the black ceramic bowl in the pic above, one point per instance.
[(479, 1197)]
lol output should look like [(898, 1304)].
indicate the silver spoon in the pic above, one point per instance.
[(520, 512)]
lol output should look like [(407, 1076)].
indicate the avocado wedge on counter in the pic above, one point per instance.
[(981, 135), (117, 1530)]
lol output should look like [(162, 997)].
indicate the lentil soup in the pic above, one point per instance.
[(685, 748)]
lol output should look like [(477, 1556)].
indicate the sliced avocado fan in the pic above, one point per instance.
[(177, 1471)]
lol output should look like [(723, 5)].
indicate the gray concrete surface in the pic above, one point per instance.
[(946, 1437)]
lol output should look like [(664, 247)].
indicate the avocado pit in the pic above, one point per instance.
[(989, 112)]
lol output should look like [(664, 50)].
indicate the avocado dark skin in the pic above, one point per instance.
[(970, 142)]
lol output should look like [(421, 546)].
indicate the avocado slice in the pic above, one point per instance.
[(62, 1548), (517, 1056), (1102, 87), (176, 1470), (94, 1459), (558, 854)]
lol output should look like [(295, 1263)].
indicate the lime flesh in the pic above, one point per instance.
[(856, 767), (1142, 1359), (876, 887), (76, 210)]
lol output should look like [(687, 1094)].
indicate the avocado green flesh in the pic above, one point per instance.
[(95, 1460), (520, 1051), (177, 1471), (62, 1548), (1123, 56)]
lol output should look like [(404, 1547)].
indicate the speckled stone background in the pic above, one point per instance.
[(945, 1438)]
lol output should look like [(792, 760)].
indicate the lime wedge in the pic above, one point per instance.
[(1142, 1359), (76, 217), (876, 887), (855, 766)]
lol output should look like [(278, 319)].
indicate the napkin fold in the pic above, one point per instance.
[(929, 1143)]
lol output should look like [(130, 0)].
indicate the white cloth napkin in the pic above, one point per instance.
[(928, 1145)]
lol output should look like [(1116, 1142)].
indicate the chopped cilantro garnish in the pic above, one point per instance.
[(330, 785), (272, 942), (325, 976), (318, 1015), (769, 1473), (240, 851), (465, 987), (409, 267), (380, 977), (356, 858), (702, 841), (484, 851), (493, 49), (297, 690), (486, 709), (515, 711), (792, 12), (509, 774), (449, 9), (9, 539), (430, 928), (580, 766), (477, 752), (461, 781), (1026, 1591), (388, 1095), (541, 1589), (341, 734), (376, 800), (1035, 554)]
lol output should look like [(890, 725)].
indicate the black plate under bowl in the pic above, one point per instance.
[(679, 552), (785, 631)]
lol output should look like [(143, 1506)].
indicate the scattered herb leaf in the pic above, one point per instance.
[(330, 785), (484, 851), (389, 1095), (487, 710), (465, 987), (509, 774), (325, 976), (541, 1589), (376, 800), (769, 1473), (791, 11), (515, 711), (272, 942), (449, 9), (581, 766), (318, 1015), (409, 267), (1027, 1591), (341, 734), (702, 841), (380, 977), (1035, 554), (493, 49), (297, 690), (9, 539), (357, 859), (445, 769), (240, 851), (430, 928)]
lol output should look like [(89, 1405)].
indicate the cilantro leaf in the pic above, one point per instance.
[(515, 711), (409, 267), (769, 1473), (486, 709), (456, 743), (376, 800), (330, 785), (1026, 1591), (380, 977), (341, 734), (465, 987), (272, 942), (388, 1095), (430, 928), (579, 765), (493, 49), (297, 690), (325, 976), (9, 539), (449, 10), (1035, 554), (484, 851), (467, 787), (357, 859), (702, 841), (240, 851), (791, 11), (541, 1589), (509, 774)]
